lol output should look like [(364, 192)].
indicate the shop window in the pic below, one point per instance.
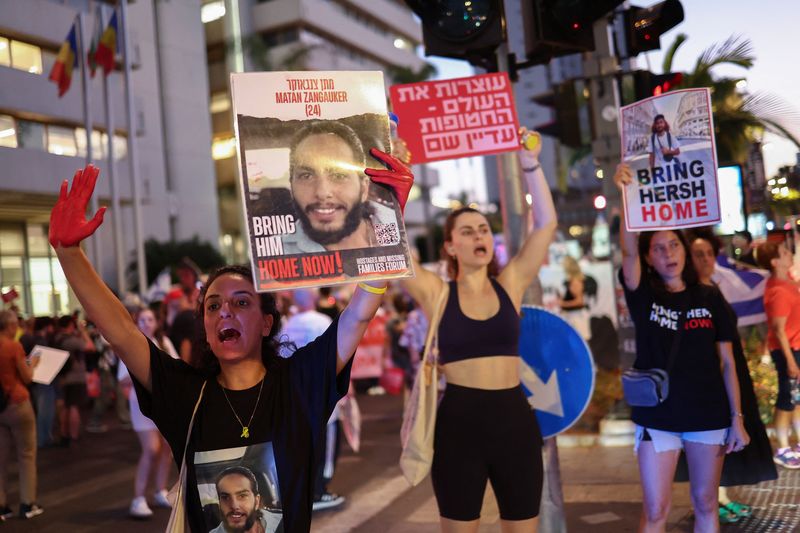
[(5, 53), (30, 135), (61, 141), (220, 102), (26, 57), (8, 132), (98, 144)]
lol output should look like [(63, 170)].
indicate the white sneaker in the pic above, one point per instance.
[(140, 509), (160, 499)]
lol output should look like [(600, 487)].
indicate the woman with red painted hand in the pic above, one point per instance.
[(485, 428), (702, 413), (249, 410)]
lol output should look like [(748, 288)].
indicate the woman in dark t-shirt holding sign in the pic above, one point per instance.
[(257, 434), (702, 413)]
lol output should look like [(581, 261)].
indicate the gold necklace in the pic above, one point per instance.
[(245, 429)]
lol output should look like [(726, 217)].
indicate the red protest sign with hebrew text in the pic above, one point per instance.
[(455, 118)]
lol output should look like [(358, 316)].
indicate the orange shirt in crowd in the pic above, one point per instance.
[(11, 352), (782, 298)]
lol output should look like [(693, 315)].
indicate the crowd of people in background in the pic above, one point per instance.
[(96, 383)]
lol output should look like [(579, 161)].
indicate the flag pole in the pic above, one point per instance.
[(116, 211), (87, 124), (141, 265)]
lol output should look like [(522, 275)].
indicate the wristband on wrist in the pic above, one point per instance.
[(534, 168), (371, 289), (737, 414)]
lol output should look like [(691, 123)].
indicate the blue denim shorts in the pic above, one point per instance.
[(664, 441)]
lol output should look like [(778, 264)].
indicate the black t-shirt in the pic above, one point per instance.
[(697, 399), (285, 442)]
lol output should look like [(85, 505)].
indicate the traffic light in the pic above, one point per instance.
[(647, 84), (561, 27), (645, 25), (462, 29), (571, 113)]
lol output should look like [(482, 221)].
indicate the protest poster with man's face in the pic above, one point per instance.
[(667, 141), (313, 215)]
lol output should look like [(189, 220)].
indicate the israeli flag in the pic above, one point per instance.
[(744, 290)]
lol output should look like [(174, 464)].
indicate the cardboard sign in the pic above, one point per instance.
[(668, 142), (457, 118), (312, 215)]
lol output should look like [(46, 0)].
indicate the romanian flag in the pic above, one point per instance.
[(97, 32), (107, 47), (66, 62)]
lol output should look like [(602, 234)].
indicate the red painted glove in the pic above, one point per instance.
[(398, 177), (68, 224)]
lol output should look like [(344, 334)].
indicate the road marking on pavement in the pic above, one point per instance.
[(600, 518), (366, 502)]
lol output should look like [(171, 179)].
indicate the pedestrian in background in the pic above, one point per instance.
[(574, 307), (73, 338), (155, 449), (702, 413), (782, 304), (43, 394), (485, 428), (754, 463), (17, 421)]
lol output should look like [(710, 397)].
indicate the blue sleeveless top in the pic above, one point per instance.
[(461, 337)]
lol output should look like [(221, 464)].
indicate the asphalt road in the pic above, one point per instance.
[(88, 487)]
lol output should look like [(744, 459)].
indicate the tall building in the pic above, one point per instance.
[(42, 138), (258, 35)]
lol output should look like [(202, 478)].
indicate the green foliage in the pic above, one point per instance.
[(399, 75), (161, 255), (263, 58), (739, 117)]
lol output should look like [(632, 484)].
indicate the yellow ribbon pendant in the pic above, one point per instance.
[(245, 432)]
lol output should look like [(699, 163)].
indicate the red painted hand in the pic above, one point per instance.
[(68, 224), (398, 176)]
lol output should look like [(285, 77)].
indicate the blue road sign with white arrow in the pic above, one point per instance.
[(557, 369)]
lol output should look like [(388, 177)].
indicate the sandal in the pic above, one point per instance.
[(739, 509), (726, 516)]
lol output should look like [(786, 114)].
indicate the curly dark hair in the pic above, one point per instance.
[(202, 356), (689, 274)]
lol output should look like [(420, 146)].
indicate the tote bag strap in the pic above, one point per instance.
[(177, 517), (432, 338)]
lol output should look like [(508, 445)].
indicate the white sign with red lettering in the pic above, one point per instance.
[(668, 142)]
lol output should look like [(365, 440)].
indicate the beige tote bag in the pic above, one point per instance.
[(178, 522), (419, 418)]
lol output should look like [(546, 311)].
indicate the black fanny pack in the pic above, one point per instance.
[(648, 388)]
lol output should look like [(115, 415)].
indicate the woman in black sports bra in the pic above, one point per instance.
[(485, 428)]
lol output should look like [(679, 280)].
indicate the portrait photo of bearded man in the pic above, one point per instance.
[(330, 192)]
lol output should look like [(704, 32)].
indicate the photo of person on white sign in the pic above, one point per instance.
[(668, 144)]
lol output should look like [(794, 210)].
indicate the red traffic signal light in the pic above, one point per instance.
[(561, 27), (647, 84)]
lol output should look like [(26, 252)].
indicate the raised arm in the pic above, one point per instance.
[(425, 285), (631, 269), (523, 268), (68, 227)]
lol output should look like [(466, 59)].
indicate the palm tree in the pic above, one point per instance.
[(739, 117)]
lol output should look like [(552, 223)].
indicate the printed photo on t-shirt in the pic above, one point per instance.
[(238, 489)]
